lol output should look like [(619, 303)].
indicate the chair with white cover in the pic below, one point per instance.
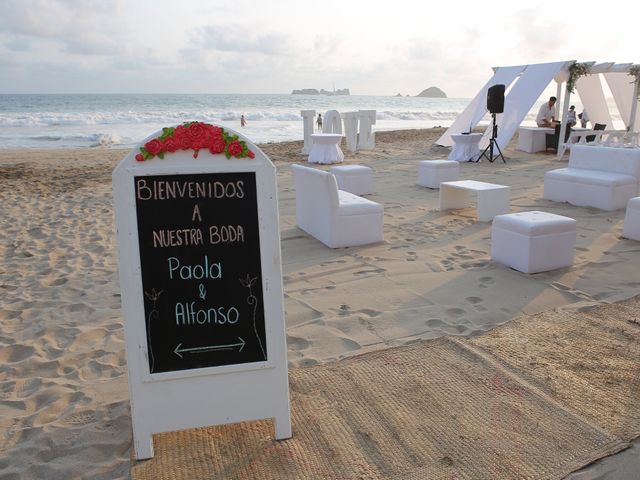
[(335, 217), (583, 137)]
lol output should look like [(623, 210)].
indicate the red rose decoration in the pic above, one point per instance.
[(197, 133), (169, 145), (235, 148), (217, 145), (154, 146), (194, 136)]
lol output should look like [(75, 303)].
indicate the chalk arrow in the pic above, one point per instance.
[(209, 348)]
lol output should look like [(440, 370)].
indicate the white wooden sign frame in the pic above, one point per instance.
[(170, 401)]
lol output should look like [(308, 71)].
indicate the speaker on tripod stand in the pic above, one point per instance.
[(495, 104)]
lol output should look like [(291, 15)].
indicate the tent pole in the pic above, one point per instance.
[(563, 125), (558, 96), (634, 108)]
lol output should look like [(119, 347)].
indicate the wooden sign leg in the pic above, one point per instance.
[(142, 442)]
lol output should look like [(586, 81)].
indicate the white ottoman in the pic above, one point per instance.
[(533, 242), (632, 219), (432, 172), (356, 179)]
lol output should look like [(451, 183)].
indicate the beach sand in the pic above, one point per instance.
[(64, 407)]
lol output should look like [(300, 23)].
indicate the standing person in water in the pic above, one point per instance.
[(243, 122), (319, 121)]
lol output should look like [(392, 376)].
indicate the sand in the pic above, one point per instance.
[(64, 408)]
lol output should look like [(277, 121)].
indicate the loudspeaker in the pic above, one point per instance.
[(495, 99)]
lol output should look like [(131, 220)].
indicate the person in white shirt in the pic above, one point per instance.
[(547, 114)]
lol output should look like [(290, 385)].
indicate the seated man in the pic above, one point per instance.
[(547, 114)]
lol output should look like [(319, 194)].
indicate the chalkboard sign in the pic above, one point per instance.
[(200, 265)]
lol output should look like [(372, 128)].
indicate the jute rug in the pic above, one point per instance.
[(535, 399)]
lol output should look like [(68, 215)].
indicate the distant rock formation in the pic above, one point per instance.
[(313, 91), (432, 92), (398, 94), (306, 91)]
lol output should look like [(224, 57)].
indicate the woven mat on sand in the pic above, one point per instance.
[(537, 398)]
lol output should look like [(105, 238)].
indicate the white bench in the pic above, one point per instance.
[(601, 177), (335, 217)]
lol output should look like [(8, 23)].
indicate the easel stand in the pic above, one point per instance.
[(492, 143)]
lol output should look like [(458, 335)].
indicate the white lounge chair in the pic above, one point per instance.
[(601, 177), (335, 217)]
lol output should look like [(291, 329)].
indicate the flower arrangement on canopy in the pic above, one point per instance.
[(634, 71), (195, 136), (576, 70)]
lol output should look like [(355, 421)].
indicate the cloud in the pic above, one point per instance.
[(538, 34), (238, 39), (80, 27)]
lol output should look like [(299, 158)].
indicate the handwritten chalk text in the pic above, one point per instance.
[(175, 189), (188, 314)]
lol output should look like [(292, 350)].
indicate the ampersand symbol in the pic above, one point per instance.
[(203, 292)]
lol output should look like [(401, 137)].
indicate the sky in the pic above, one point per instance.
[(275, 46)]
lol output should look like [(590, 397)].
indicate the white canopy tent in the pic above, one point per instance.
[(524, 85)]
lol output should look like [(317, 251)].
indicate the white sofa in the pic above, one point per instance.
[(601, 177), (335, 217)]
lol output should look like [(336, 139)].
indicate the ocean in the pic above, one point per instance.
[(123, 120), (119, 120)]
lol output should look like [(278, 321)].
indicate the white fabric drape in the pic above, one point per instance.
[(621, 85), (478, 106), (590, 90), (519, 100)]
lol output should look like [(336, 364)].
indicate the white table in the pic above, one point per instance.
[(465, 147), (492, 199), (326, 148), (533, 139)]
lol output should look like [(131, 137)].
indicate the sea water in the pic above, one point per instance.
[(122, 120)]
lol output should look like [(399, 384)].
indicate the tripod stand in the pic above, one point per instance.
[(492, 143)]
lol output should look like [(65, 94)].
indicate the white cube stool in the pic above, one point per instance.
[(632, 219), (356, 179), (432, 172), (533, 242)]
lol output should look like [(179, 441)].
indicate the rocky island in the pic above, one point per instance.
[(432, 92), (313, 91)]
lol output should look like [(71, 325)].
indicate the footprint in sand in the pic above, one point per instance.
[(474, 300), (485, 282), (297, 343), (81, 418), (455, 312), (434, 323)]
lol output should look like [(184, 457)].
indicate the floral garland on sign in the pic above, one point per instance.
[(194, 136), (576, 70)]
